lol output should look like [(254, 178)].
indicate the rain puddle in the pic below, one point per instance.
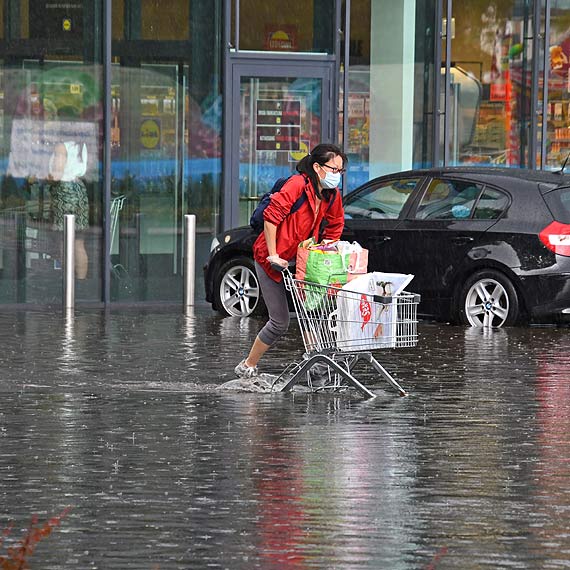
[(121, 418)]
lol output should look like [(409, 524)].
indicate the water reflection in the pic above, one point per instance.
[(188, 327), (68, 353), (552, 468), (119, 416)]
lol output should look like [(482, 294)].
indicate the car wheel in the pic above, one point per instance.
[(237, 291), (488, 299)]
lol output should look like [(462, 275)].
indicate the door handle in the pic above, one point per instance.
[(379, 240), (460, 240)]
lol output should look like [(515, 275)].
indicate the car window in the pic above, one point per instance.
[(491, 205), (559, 203), (448, 200), (380, 202)]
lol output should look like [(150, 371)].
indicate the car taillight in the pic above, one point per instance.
[(556, 237)]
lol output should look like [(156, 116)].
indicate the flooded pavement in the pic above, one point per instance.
[(120, 418)]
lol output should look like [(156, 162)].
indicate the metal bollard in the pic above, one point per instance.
[(69, 261), (189, 258)]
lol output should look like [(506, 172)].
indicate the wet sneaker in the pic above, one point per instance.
[(244, 371)]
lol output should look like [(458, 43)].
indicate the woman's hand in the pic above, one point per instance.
[(277, 263)]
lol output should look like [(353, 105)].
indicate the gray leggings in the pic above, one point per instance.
[(275, 298)]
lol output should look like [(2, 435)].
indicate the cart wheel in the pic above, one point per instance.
[(236, 289)]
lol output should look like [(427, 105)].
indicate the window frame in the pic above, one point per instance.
[(483, 185)]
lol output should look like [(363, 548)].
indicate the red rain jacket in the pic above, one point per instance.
[(299, 226)]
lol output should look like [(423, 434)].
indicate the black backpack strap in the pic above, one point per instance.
[(298, 202), (331, 201)]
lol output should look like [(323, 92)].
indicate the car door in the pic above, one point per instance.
[(372, 216), (444, 225)]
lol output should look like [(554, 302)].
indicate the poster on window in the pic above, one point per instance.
[(56, 19), (278, 124), (280, 37)]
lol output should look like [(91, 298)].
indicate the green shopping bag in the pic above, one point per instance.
[(325, 267)]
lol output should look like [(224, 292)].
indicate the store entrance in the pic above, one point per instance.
[(277, 110)]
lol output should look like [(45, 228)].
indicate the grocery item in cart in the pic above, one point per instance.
[(328, 263), (355, 257), (320, 263), (366, 311)]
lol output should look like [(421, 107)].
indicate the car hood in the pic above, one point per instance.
[(243, 234)]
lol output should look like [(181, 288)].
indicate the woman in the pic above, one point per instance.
[(69, 195), (319, 176)]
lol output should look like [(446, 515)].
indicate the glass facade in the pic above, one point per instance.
[(207, 102), (285, 25), (390, 87), (165, 145), (490, 89), (165, 141), (557, 93), (50, 107), (496, 69), (281, 88)]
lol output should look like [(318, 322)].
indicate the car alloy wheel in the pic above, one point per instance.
[(489, 300), (238, 293)]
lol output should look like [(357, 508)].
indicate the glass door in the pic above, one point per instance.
[(278, 112), (148, 143)]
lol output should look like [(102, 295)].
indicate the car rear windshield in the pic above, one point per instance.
[(559, 203)]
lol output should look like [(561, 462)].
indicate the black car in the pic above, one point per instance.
[(487, 246)]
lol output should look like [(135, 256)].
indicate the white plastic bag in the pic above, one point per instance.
[(355, 258), (361, 321)]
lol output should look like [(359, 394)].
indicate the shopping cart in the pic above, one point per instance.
[(116, 206), (341, 327), (117, 269)]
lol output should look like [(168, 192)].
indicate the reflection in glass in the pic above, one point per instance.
[(558, 101), (163, 144), (52, 148), (391, 75), (381, 202), (448, 199), (286, 25), (159, 21), (488, 114), (147, 137)]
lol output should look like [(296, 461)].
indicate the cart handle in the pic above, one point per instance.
[(285, 270), (277, 267)]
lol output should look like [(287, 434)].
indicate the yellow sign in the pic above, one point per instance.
[(66, 24), (75, 88), (150, 133), (296, 155)]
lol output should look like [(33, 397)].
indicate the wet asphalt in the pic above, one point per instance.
[(120, 417)]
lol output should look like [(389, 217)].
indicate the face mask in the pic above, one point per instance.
[(331, 180)]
